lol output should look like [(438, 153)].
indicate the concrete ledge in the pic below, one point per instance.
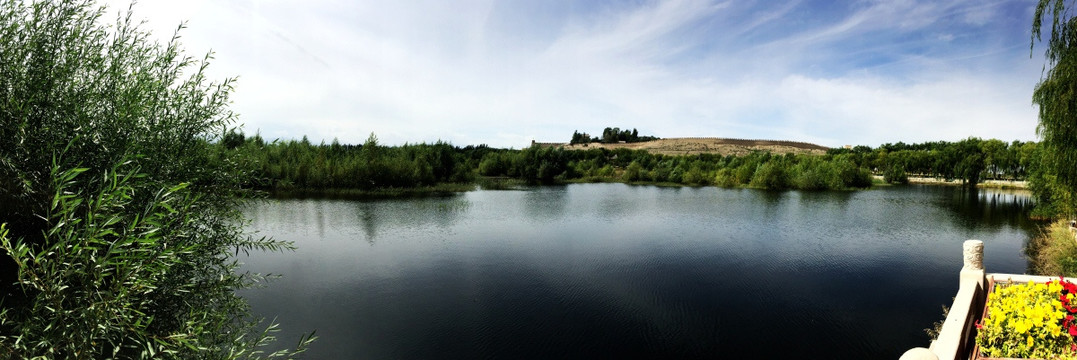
[(957, 338)]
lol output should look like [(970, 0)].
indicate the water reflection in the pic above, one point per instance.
[(368, 218), (328, 218), (545, 203), (771, 201), (611, 270), (992, 208)]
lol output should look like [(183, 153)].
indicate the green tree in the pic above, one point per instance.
[(233, 139), (814, 173), (119, 213), (970, 161), (1056, 93), (996, 156), (695, 176), (633, 172), (580, 138), (772, 175), (895, 174), (370, 151)]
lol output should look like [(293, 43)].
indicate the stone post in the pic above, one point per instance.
[(973, 268), (958, 325), (974, 255), (919, 354)]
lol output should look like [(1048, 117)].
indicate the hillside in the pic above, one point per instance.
[(691, 146)]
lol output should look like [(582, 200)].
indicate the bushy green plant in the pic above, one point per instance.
[(895, 175), (1053, 251), (852, 176), (771, 175), (816, 174), (633, 172), (120, 213), (695, 176), (725, 178), (105, 284), (745, 172)]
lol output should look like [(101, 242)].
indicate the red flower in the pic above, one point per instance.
[(979, 327), (1070, 287), (1073, 330)]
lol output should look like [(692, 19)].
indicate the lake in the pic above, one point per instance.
[(614, 270)]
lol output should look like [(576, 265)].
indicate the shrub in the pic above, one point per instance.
[(725, 178), (853, 176), (104, 286), (745, 172), (895, 175), (120, 216), (1053, 251), (632, 172), (771, 175), (816, 174), (695, 176), (676, 176)]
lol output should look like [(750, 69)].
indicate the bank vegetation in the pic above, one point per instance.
[(291, 166)]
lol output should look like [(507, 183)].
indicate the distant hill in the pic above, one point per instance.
[(692, 146)]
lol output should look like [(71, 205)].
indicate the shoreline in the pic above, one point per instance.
[(986, 184), (449, 189)]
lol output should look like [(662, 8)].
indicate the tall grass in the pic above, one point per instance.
[(1054, 251)]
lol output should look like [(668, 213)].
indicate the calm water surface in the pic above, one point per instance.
[(612, 270)]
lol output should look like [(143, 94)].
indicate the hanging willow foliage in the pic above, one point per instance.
[(1056, 95)]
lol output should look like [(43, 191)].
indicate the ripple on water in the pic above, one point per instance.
[(610, 270)]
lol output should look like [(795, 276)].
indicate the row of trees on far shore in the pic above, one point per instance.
[(300, 165), (971, 160), (289, 165)]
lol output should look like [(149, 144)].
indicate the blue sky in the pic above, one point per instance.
[(506, 72)]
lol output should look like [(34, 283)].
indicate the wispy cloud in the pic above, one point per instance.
[(504, 73)]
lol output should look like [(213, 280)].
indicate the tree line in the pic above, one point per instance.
[(610, 136), (970, 160), (301, 165), (291, 164)]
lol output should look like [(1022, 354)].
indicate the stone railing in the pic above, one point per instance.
[(957, 337)]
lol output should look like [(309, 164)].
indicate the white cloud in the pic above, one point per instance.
[(874, 111), (414, 71)]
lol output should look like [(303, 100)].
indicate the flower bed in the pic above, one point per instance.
[(1029, 320)]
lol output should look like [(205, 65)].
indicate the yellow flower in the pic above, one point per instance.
[(1023, 320)]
